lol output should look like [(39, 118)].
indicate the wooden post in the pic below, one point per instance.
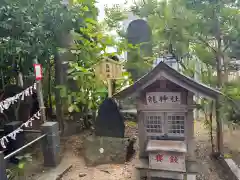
[(40, 98), (51, 144), (41, 102), (109, 81), (3, 173)]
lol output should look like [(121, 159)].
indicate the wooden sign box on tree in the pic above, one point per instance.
[(165, 121), (108, 69)]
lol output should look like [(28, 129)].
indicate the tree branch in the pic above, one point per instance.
[(226, 47), (206, 44)]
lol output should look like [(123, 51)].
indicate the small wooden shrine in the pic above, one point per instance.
[(165, 122)]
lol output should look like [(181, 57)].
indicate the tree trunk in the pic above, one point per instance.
[(20, 79), (58, 81), (211, 125), (20, 83), (50, 108), (61, 67), (219, 63), (114, 86)]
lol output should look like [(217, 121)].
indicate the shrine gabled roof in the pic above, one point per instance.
[(173, 75)]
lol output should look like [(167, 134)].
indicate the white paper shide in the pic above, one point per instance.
[(4, 140), (5, 104)]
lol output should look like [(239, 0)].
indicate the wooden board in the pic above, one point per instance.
[(108, 69)]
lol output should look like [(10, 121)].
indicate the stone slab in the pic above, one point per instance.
[(156, 174), (53, 173), (163, 145), (191, 177), (233, 167), (192, 167), (50, 127), (104, 150)]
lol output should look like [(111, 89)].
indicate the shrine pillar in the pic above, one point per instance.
[(190, 138)]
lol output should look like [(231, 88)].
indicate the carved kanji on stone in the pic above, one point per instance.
[(154, 100), (149, 99), (173, 159), (165, 98), (159, 157)]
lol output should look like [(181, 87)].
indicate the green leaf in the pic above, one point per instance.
[(92, 21), (63, 92), (21, 165), (71, 108), (18, 49), (62, 50), (85, 8), (102, 90)]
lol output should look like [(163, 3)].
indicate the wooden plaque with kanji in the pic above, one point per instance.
[(108, 69)]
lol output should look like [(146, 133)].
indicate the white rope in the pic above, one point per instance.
[(13, 134), (5, 104)]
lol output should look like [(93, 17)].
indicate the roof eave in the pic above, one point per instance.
[(193, 86)]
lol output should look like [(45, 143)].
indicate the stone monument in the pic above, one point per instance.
[(108, 144), (109, 122)]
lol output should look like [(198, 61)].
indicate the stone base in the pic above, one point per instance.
[(143, 171), (161, 175), (104, 150)]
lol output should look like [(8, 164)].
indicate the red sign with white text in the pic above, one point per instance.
[(38, 71)]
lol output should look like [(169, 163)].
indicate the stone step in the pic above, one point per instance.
[(233, 167)]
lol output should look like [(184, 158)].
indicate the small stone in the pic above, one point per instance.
[(82, 174), (101, 150)]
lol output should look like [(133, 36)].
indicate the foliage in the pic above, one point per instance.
[(33, 29), (114, 15), (18, 171), (30, 31), (168, 24), (203, 35), (85, 90), (139, 59), (199, 33), (26, 35)]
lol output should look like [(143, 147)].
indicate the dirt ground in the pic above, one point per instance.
[(208, 170)]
